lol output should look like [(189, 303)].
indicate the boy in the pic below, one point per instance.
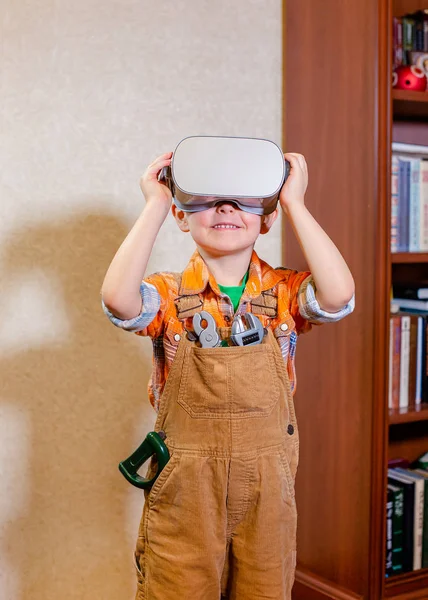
[(221, 517)]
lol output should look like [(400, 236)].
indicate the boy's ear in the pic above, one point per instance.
[(268, 221), (181, 218)]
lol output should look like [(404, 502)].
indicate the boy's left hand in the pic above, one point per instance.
[(293, 190)]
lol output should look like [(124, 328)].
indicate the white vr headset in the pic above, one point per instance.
[(206, 170)]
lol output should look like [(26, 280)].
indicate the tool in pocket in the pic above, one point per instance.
[(208, 336), (153, 444), (247, 330)]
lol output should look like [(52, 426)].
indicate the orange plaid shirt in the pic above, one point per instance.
[(297, 310)]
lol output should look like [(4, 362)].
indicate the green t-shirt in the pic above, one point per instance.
[(235, 292)]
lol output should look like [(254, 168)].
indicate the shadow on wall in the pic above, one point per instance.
[(84, 399)]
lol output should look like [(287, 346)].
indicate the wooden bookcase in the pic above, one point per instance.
[(341, 113)]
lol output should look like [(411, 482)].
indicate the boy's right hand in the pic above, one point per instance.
[(154, 190)]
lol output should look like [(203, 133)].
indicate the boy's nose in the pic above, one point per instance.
[(226, 206)]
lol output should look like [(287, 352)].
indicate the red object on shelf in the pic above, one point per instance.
[(409, 77)]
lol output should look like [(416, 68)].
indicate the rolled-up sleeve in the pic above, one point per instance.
[(311, 310), (151, 304)]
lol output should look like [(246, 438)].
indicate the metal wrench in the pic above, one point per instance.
[(249, 333)]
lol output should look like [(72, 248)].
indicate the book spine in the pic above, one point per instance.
[(424, 474), (413, 357), (423, 208), (419, 149), (419, 362), (408, 517), (411, 305), (425, 530), (425, 359), (394, 203), (389, 517), (403, 205), (399, 48), (425, 35), (398, 532), (418, 514), (419, 35), (404, 361), (395, 400), (408, 37), (414, 223), (418, 524)]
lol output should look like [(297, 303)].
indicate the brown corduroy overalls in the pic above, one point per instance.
[(220, 520)]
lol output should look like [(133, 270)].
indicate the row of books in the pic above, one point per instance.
[(407, 517), (408, 346), (409, 198), (409, 34)]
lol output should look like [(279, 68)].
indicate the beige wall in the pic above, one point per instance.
[(90, 92)]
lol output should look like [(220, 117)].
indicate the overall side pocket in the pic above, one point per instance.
[(162, 479)]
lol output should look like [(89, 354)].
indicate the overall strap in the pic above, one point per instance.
[(265, 304), (186, 306)]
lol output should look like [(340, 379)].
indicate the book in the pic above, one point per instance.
[(397, 529), (404, 361), (407, 303), (414, 374), (422, 461), (422, 358), (409, 198), (403, 203), (409, 36), (390, 361), (395, 353), (423, 206), (409, 148), (397, 42), (389, 518), (408, 359), (421, 361), (414, 204), (394, 202), (424, 474), (408, 486), (418, 515)]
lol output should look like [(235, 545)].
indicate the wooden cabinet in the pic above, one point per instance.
[(341, 113)]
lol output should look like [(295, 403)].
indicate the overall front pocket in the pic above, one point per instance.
[(233, 382)]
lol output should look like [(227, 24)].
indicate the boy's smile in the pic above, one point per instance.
[(226, 226), (222, 229)]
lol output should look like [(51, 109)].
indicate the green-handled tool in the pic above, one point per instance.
[(153, 444)]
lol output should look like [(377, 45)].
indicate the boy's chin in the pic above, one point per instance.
[(224, 249)]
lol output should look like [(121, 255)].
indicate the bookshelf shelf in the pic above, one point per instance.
[(408, 415), (409, 257), (407, 583), (410, 105), (409, 96)]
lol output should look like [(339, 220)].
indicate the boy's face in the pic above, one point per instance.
[(224, 228)]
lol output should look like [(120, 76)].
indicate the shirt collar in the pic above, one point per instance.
[(196, 277)]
